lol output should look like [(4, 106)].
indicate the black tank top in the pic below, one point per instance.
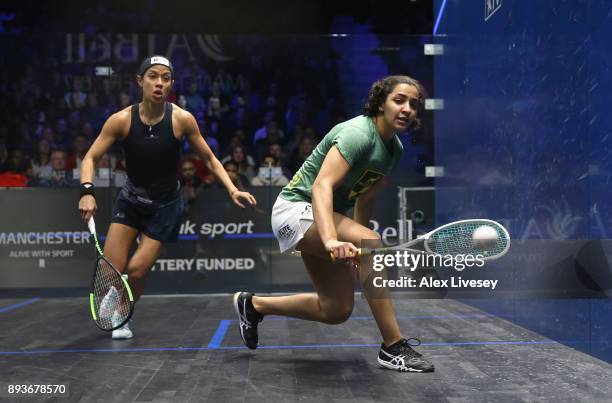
[(152, 155)]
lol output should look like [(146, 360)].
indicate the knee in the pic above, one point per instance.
[(371, 239), (338, 314), (137, 270)]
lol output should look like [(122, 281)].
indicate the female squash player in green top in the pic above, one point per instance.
[(310, 216)]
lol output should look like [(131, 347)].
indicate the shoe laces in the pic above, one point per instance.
[(406, 349)]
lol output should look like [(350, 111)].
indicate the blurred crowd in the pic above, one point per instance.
[(261, 115)]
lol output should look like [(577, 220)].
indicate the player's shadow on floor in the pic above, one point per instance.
[(323, 367)]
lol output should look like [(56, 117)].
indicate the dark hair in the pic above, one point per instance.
[(383, 87), (230, 162), (268, 156)]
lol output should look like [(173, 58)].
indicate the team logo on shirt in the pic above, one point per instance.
[(296, 179), (365, 182), (151, 134)]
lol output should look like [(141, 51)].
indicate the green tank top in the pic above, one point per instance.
[(363, 149)]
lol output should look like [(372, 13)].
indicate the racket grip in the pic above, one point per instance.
[(91, 224), (333, 258)]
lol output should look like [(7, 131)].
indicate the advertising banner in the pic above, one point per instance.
[(221, 247)]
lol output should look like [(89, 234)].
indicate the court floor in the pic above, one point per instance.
[(187, 349)]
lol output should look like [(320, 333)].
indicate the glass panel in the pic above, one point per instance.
[(524, 139)]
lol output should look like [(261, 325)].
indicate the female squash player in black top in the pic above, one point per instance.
[(150, 205)]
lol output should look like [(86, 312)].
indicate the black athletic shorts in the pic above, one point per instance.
[(157, 220)]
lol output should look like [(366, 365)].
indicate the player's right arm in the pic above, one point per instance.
[(114, 128), (333, 170)]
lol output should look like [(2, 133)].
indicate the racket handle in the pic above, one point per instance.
[(91, 224), (333, 258)]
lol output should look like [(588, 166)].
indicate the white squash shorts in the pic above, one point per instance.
[(290, 221)]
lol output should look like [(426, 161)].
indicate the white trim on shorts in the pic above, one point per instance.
[(290, 221)]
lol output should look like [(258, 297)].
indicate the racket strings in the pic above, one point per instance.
[(109, 296), (457, 239)]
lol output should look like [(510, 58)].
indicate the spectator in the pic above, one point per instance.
[(246, 164), (191, 184), (251, 99), (211, 140), (216, 108), (277, 151), (201, 170), (80, 145), (76, 98), (304, 149), (232, 171), (271, 135), (194, 102), (213, 130), (117, 163), (270, 173), (59, 176), (61, 137), (17, 162), (41, 163), (238, 139), (270, 129), (103, 171)]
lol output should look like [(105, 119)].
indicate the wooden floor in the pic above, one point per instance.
[(187, 349)]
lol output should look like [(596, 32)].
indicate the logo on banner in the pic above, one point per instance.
[(214, 229), (206, 264), (555, 221), (491, 7), (127, 48), (44, 238)]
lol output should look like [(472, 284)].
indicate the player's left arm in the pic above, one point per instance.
[(365, 204), (198, 144)]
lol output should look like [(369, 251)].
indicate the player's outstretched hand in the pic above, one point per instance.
[(239, 197)]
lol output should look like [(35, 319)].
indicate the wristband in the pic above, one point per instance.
[(87, 188)]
